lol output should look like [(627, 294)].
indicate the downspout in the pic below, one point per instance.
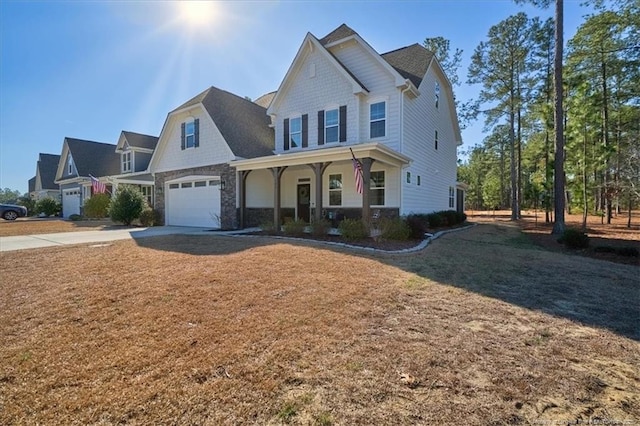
[(401, 144)]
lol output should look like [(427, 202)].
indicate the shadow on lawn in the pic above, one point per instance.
[(494, 260)]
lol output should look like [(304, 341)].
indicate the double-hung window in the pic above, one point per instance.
[(126, 162), (452, 197), (331, 125), (376, 188), (190, 134), (377, 120), (335, 190), (295, 132)]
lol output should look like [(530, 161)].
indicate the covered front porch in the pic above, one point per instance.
[(313, 185), (143, 181)]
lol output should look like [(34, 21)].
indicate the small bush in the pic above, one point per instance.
[(75, 217), (267, 226), (127, 204), (29, 203), (148, 217), (320, 228), (435, 220), (418, 225), (97, 207), (48, 206), (574, 239), (294, 227), (395, 229), (353, 229)]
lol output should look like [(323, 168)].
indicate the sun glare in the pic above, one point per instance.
[(197, 13)]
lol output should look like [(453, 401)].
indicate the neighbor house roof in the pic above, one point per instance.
[(94, 158), (32, 184), (265, 99), (48, 166), (243, 124), (140, 141), (411, 62)]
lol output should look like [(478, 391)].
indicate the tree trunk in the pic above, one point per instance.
[(558, 178)]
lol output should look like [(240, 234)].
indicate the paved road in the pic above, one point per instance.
[(24, 242)]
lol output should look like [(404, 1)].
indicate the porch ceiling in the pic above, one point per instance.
[(377, 151)]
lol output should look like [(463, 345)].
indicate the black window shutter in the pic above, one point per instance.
[(286, 134), (305, 130), (182, 145), (320, 127), (196, 136), (343, 123)]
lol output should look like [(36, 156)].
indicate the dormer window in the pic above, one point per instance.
[(126, 162), (190, 137)]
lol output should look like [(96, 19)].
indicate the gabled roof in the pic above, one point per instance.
[(411, 62), (93, 158), (243, 124), (47, 168), (265, 99), (343, 31), (32, 184), (138, 140)]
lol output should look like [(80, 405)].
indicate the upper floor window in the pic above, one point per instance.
[(70, 165), (378, 119), (376, 188), (437, 92), (295, 132), (331, 125), (126, 161), (190, 137)]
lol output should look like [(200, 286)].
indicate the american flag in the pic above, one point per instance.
[(357, 172), (97, 186)]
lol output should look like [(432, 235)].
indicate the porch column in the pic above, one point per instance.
[(366, 181), (277, 174), (242, 194), (318, 170)]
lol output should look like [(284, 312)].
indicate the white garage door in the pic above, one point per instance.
[(70, 202), (193, 203)]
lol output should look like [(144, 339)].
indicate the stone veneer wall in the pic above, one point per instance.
[(228, 214)]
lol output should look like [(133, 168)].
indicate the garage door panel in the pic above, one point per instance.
[(193, 206), (70, 203)]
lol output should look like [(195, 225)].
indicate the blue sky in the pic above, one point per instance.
[(90, 69)]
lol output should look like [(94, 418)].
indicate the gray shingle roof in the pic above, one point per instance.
[(410, 61), (243, 124), (48, 166), (339, 33), (139, 140), (32, 184), (265, 99), (94, 158)]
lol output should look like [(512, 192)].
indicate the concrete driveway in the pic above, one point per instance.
[(24, 242)]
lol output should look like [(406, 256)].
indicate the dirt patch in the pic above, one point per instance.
[(35, 226), (481, 328)]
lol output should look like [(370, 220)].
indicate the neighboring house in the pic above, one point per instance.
[(79, 160), (44, 181), (194, 184), (395, 111), (135, 151)]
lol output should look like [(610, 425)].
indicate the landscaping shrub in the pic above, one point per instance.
[(48, 206), (294, 227), (320, 228), (574, 239), (148, 217), (353, 229), (395, 229), (29, 203), (97, 207), (127, 204), (435, 220), (418, 225), (75, 217), (267, 226)]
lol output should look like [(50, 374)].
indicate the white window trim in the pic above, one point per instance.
[(70, 165), (336, 108), (386, 117), (384, 188), (341, 189), (295, 117), (126, 162), (188, 121)]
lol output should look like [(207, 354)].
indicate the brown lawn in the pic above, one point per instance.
[(33, 226), (480, 328)]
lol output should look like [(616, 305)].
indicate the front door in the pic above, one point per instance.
[(304, 198)]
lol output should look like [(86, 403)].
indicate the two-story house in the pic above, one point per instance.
[(135, 150), (43, 185), (341, 99)]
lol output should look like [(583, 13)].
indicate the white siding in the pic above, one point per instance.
[(437, 168), (381, 86), (212, 150), (260, 189), (329, 88)]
